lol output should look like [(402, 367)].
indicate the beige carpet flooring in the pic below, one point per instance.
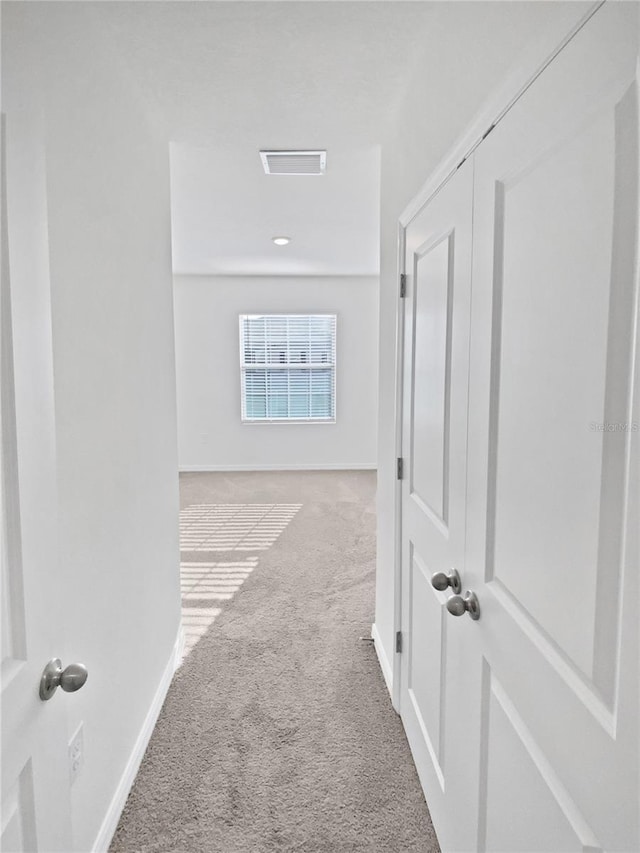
[(277, 733)]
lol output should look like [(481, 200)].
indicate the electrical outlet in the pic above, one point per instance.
[(76, 753)]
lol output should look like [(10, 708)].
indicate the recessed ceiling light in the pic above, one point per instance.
[(281, 241)]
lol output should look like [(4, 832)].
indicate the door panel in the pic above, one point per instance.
[(434, 687), (426, 683), (516, 763), (551, 443), (18, 813), (546, 476), (433, 281), (552, 509)]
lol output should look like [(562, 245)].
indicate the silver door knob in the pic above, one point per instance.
[(441, 581), (71, 678), (458, 606)]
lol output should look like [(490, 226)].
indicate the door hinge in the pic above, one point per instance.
[(399, 642), (403, 285), (399, 467)]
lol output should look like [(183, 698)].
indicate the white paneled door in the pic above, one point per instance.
[(436, 370), (525, 723), (35, 775)]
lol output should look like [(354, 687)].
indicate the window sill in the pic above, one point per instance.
[(286, 421)]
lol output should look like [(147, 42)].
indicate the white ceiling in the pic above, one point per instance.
[(246, 76), (225, 211), (277, 73), (223, 79)]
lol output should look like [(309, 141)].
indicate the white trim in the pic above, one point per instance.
[(383, 660), (286, 421), (275, 275), (179, 648), (529, 67), (397, 520), (298, 466), (110, 822)]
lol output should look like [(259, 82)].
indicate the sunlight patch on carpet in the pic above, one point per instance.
[(207, 586), (233, 527)]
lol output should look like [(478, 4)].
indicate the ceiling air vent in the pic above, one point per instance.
[(294, 162)]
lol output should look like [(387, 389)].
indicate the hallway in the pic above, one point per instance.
[(277, 732)]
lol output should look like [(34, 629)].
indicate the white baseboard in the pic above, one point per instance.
[(325, 466), (110, 822), (179, 648), (383, 660)]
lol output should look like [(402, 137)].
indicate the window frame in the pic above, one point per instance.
[(286, 366)]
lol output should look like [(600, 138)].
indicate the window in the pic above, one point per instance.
[(287, 367)]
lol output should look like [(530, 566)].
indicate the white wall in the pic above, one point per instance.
[(110, 267), (478, 45), (210, 432)]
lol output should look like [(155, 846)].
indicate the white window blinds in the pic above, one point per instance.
[(287, 367)]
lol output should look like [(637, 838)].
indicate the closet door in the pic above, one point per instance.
[(437, 684), (554, 434), (36, 791)]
